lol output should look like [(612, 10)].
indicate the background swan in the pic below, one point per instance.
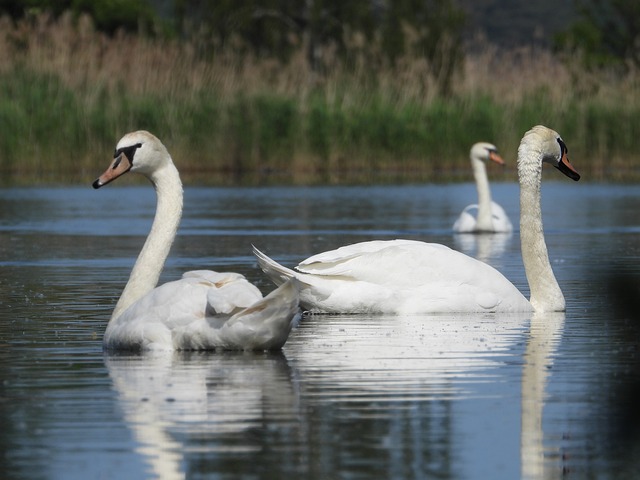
[(490, 217), (406, 276), (205, 309)]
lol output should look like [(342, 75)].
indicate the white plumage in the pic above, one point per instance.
[(489, 216), (397, 276), (405, 276), (204, 310)]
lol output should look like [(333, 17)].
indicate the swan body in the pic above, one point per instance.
[(204, 310), (397, 276), (406, 276), (467, 222), (490, 217)]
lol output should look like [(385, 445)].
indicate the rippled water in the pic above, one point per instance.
[(437, 396)]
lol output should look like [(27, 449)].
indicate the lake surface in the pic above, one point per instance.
[(434, 396)]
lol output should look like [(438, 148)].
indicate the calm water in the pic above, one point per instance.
[(448, 397)]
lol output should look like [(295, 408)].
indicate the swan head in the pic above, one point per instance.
[(138, 152), (545, 145), (485, 151)]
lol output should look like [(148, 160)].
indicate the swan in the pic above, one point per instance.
[(491, 217), (408, 276), (204, 310)]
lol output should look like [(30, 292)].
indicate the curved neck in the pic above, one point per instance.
[(545, 291), (484, 221), (146, 272)]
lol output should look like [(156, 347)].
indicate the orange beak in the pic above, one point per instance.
[(493, 156), (119, 166), (565, 167)]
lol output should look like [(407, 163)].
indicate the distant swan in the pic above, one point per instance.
[(491, 217), (204, 310), (406, 276)]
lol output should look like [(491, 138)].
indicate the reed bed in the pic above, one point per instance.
[(68, 93)]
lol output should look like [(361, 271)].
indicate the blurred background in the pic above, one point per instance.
[(315, 91)]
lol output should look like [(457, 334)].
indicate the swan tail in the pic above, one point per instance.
[(266, 324), (276, 272)]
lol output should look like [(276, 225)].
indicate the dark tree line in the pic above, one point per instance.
[(388, 29), (428, 29), (108, 15), (608, 32)]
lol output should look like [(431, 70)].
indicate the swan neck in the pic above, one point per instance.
[(545, 291), (484, 221), (148, 267)]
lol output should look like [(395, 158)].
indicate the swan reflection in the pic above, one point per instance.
[(397, 391), (546, 331), (438, 360), (424, 356), (482, 246), (176, 403)]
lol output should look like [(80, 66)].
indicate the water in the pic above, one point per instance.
[(438, 396)]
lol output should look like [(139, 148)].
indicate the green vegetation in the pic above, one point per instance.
[(69, 92)]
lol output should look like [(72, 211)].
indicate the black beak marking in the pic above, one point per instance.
[(129, 151), (562, 166)]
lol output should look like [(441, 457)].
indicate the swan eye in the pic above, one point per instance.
[(129, 151)]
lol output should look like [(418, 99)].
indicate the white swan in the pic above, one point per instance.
[(405, 276), (204, 310), (491, 217)]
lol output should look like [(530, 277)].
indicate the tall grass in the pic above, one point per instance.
[(68, 93)]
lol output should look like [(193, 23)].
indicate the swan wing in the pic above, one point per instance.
[(500, 219), (149, 322), (192, 313), (403, 276), (226, 292), (342, 260), (466, 222), (266, 324)]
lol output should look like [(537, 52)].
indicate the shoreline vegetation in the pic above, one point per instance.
[(69, 93)]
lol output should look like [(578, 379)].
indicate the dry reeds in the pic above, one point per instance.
[(65, 84)]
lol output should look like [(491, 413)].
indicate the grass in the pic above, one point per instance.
[(69, 93)]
